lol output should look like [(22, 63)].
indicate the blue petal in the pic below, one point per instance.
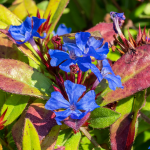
[(78, 114), (81, 39), (26, 25), (114, 81), (72, 46), (56, 101), (81, 61), (104, 50), (87, 102), (37, 23), (61, 115), (36, 34), (65, 65), (106, 68), (95, 43), (62, 29), (74, 91), (58, 57), (15, 32), (94, 69), (27, 38), (96, 55)]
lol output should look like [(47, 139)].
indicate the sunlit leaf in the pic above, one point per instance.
[(19, 78), (55, 9), (30, 139), (7, 18), (73, 142), (15, 104)]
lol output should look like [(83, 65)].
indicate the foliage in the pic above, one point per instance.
[(58, 91)]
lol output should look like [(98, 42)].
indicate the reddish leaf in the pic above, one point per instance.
[(107, 31), (119, 133), (19, 78), (76, 124), (42, 119), (134, 71), (122, 132)]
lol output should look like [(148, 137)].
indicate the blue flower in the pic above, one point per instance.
[(73, 108), (79, 52), (27, 29), (62, 29), (118, 20), (114, 81), (149, 147), (117, 15)]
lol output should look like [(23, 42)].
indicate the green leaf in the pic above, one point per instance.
[(30, 137), (113, 56), (50, 140), (42, 5), (139, 10), (19, 78), (2, 98), (55, 9), (147, 9), (73, 142), (103, 117), (24, 5), (146, 111), (63, 137), (7, 18), (15, 104)]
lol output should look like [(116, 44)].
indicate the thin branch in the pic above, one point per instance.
[(144, 117), (87, 134)]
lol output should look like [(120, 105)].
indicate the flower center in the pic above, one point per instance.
[(72, 55), (73, 107)]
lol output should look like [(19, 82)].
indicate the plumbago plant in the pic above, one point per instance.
[(59, 90)]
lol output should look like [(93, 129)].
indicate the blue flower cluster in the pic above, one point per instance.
[(80, 52)]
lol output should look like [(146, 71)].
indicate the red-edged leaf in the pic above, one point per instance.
[(19, 78), (122, 132), (75, 123), (107, 31), (42, 119), (119, 130), (134, 71)]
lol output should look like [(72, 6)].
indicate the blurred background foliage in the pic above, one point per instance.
[(81, 15)]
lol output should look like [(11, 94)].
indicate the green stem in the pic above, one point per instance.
[(5, 144), (87, 134), (84, 77)]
